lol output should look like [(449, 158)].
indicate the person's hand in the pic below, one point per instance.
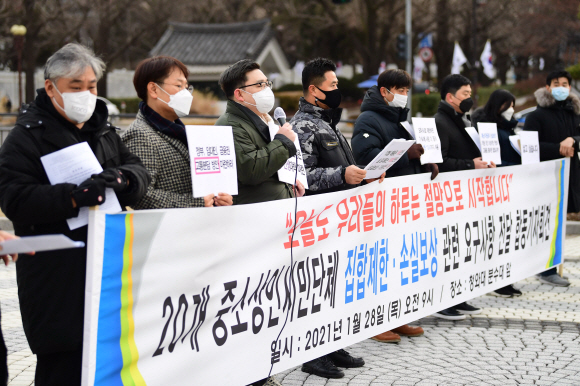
[(208, 200), (223, 199), (492, 165), (381, 178), (354, 175), (298, 189), (90, 192), (479, 164), (287, 131), (433, 168), (114, 178), (8, 236), (415, 151), (567, 147)]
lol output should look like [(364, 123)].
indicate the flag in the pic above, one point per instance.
[(419, 66), (486, 61), (458, 59)]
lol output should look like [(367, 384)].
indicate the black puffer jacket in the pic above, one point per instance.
[(457, 147), (555, 121), (51, 285), (505, 129), (375, 128)]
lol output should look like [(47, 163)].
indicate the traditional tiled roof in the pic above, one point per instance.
[(214, 44)]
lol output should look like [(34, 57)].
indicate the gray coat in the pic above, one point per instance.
[(167, 160)]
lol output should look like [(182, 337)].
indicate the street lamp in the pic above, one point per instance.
[(19, 31)]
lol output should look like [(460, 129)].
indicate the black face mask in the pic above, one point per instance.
[(333, 98), (466, 105)]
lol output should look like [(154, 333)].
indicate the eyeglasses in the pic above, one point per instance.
[(262, 85), (180, 87)]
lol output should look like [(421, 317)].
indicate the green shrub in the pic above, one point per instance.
[(574, 71), (289, 100), (425, 104), (349, 89), (290, 87), (132, 104)]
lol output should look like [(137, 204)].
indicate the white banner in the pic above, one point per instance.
[(199, 296)]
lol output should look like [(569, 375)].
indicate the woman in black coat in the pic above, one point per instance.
[(499, 109)]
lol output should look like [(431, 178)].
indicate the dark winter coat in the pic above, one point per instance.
[(375, 128), (326, 152), (51, 285), (555, 121), (457, 147), (505, 129)]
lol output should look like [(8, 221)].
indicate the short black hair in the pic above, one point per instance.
[(394, 78), (314, 70), (558, 74), (155, 69), (235, 76), (499, 101), (452, 83)]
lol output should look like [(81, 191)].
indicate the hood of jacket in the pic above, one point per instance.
[(374, 101), (545, 99)]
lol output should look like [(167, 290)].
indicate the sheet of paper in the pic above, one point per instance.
[(38, 244), (530, 146), (387, 157), (288, 171), (409, 128), (515, 142), (73, 165), (474, 136), (427, 135), (490, 150), (213, 160)]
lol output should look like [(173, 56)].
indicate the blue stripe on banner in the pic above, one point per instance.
[(109, 357), (558, 255)]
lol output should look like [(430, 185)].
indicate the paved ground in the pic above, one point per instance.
[(531, 340)]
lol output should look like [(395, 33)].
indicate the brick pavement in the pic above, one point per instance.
[(530, 340)]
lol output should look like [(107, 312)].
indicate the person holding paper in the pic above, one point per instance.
[(557, 121), (158, 137), (457, 148), (499, 109), (258, 156), (51, 285), (382, 111)]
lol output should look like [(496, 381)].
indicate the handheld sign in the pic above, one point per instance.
[(426, 135), (387, 157), (515, 142), (213, 160), (287, 173), (530, 147), (490, 150), (474, 136), (409, 128)]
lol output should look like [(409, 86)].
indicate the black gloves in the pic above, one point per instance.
[(433, 168), (90, 192), (113, 178)]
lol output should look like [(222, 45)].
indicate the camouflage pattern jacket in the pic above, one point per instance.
[(325, 150)]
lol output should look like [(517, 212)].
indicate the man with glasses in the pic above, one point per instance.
[(258, 157)]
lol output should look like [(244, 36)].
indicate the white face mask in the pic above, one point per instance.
[(78, 106), (398, 100), (508, 114), (264, 100), (179, 102)]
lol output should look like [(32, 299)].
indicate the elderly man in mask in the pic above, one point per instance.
[(51, 285)]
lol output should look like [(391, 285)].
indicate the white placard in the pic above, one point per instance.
[(387, 157), (490, 150), (73, 165), (474, 136), (409, 128), (287, 173), (530, 146), (38, 244), (213, 160), (515, 142), (427, 135)]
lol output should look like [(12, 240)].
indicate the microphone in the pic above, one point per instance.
[(280, 116)]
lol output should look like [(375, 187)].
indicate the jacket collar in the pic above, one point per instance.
[(545, 99), (448, 110), (374, 101), (250, 117), (330, 116)]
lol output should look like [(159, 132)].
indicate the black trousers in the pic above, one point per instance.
[(3, 360), (59, 369), (552, 271)]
